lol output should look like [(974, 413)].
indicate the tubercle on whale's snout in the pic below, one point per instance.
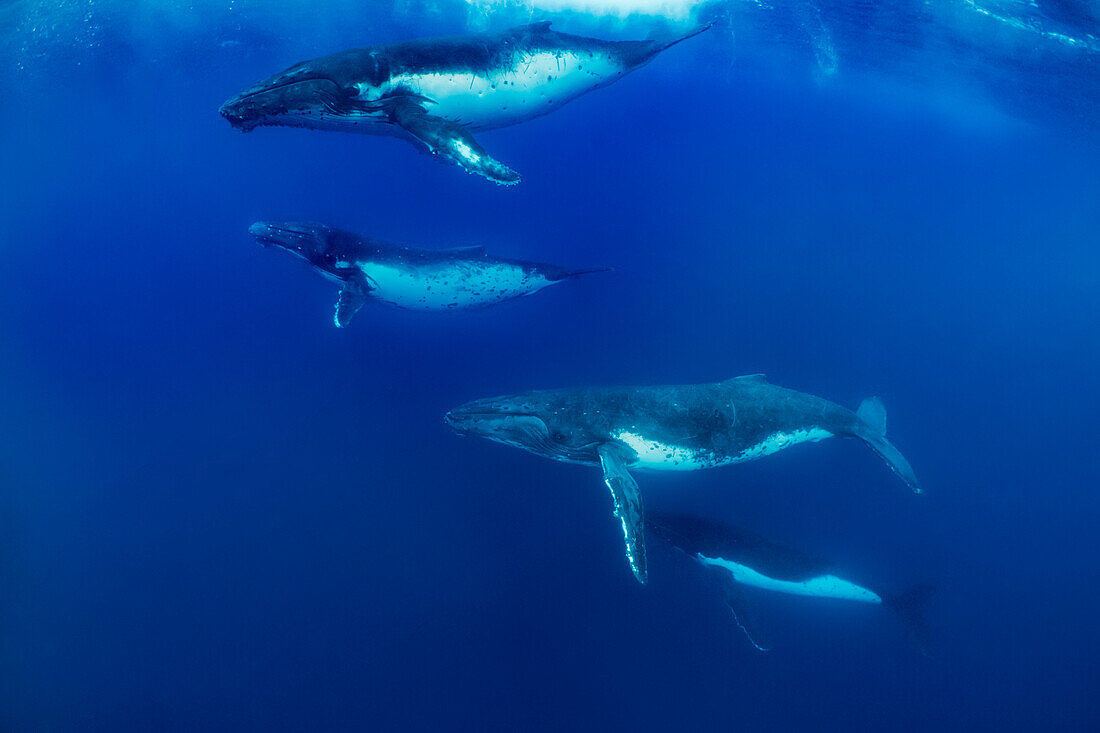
[(466, 420), (232, 114), (457, 421), (453, 419), (263, 233)]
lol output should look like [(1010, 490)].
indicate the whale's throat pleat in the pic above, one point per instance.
[(450, 286), (527, 84)]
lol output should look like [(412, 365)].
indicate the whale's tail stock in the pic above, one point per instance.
[(569, 274), (871, 428), (638, 53)]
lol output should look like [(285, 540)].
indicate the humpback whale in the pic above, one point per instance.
[(743, 559), (670, 428), (407, 277), (437, 92)]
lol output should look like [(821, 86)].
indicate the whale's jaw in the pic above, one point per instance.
[(238, 120), (282, 101)]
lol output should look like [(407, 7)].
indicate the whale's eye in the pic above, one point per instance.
[(558, 436)]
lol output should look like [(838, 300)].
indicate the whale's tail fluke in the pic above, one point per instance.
[(909, 606), (690, 34), (871, 428), (569, 274), (634, 54)]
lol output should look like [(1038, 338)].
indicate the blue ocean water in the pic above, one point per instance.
[(218, 512)]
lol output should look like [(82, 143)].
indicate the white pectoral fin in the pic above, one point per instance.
[(352, 297), (449, 141), (627, 501)]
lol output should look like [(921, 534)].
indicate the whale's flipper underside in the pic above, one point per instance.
[(352, 297), (627, 501), (449, 141)]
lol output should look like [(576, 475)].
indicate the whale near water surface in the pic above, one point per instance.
[(437, 92)]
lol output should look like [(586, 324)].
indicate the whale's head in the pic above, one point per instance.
[(331, 251), (342, 88), (297, 97), (534, 421)]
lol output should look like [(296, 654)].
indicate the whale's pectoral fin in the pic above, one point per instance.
[(450, 141), (352, 297), (627, 500), (746, 617)]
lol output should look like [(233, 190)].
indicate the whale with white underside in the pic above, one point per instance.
[(436, 92), (408, 277), (670, 428), (743, 559)]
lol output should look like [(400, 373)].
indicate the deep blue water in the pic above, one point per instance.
[(218, 512)]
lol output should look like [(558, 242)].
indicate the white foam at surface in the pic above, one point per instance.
[(671, 9)]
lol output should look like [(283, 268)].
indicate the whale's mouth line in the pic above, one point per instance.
[(453, 418), (278, 87), (476, 422), (522, 430), (283, 238), (272, 235)]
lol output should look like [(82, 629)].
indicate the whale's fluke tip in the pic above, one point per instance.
[(690, 34)]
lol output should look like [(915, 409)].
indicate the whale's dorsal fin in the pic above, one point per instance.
[(352, 297), (750, 378), (541, 27), (627, 501), (448, 140)]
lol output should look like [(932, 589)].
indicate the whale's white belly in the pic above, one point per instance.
[(821, 586), (534, 84), (779, 440), (452, 286), (656, 455)]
